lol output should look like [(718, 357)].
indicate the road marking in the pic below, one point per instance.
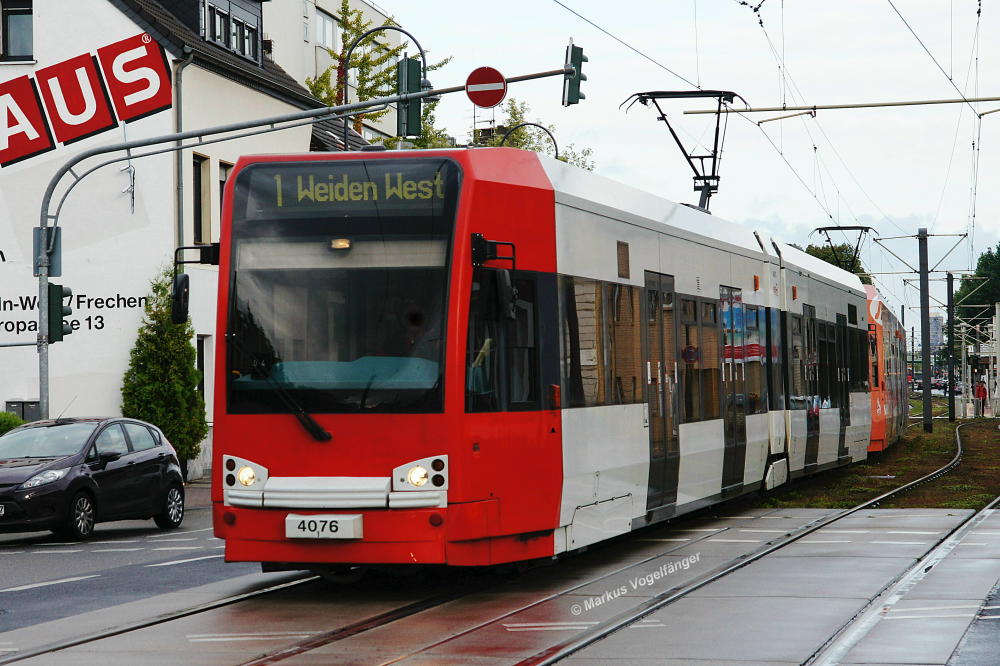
[(825, 541), (219, 547), (768, 531), (11, 552), (173, 534), (835, 531), (116, 550), (737, 517), (656, 540), (924, 617), (909, 532), (47, 583), (925, 608), (547, 626), (700, 529), (735, 540), (189, 539), (972, 543), (257, 636), (989, 617), (115, 541), (990, 607), (903, 543), (190, 559), (179, 548), (65, 543), (35, 552)]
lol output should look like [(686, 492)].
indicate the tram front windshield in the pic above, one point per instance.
[(338, 286)]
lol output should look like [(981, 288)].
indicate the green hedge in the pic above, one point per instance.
[(8, 422)]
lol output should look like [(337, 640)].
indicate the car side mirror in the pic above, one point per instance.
[(107, 457)]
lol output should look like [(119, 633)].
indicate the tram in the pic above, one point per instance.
[(887, 355), (479, 356)]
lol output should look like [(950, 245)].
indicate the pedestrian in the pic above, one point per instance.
[(980, 398)]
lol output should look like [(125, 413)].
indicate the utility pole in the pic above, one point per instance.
[(925, 328), (951, 348)]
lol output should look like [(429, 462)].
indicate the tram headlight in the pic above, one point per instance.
[(417, 476), (246, 476)]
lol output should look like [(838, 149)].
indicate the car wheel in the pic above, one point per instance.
[(82, 516), (173, 508)]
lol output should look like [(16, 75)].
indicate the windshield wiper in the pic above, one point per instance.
[(302, 416)]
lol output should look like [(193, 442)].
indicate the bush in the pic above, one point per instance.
[(161, 383), (8, 422)]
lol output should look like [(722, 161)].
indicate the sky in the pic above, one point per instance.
[(896, 169)]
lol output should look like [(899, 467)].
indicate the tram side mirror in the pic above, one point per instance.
[(506, 295), (180, 298)]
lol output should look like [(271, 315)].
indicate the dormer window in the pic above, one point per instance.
[(233, 28), (218, 26)]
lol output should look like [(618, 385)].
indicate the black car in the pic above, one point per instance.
[(65, 475)]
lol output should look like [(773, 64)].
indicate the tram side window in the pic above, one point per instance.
[(809, 326), (827, 367), (600, 344), (797, 398), (873, 357), (502, 370), (756, 385), (710, 361), (689, 360), (771, 324), (624, 343), (859, 360), (582, 341)]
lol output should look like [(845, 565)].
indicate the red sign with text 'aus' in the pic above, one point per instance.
[(82, 96)]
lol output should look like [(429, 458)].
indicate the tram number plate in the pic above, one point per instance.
[(1, 510), (327, 526)]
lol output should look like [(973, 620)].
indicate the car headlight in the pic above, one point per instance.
[(42, 478), (417, 476), (246, 476)]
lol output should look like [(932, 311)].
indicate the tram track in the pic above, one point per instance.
[(625, 619), (547, 656), (163, 618)]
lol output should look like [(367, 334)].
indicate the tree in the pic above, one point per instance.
[(838, 255), (988, 266), (161, 383), (372, 59), (532, 138)]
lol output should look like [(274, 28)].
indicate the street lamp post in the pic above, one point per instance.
[(424, 83)]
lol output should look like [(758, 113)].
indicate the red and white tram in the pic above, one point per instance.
[(471, 357)]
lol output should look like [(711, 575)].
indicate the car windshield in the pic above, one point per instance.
[(50, 441)]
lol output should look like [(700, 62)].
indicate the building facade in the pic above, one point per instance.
[(301, 41), (81, 75)]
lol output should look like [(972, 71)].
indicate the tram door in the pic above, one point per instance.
[(733, 386), (660, 356)]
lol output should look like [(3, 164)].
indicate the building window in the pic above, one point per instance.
[(218, 22), (326, 30), (200, 171), (16, 30)]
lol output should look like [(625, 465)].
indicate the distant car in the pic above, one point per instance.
[(66, 475)]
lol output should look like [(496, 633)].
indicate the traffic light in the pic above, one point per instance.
[(408, 113), (571, 82), (58, 326)]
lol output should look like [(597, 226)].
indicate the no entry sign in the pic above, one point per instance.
[(486, 87)]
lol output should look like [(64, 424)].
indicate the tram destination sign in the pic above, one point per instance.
[(410, 187)]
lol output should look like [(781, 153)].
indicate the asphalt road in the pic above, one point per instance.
[(43, 578)]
